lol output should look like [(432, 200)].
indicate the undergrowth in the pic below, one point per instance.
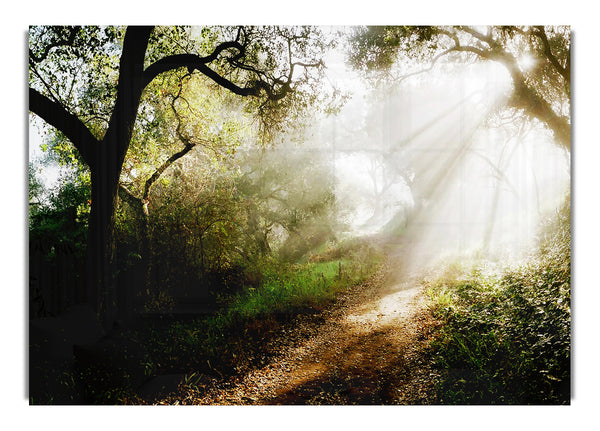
[(504, 335), (284, 292), (231, 338)]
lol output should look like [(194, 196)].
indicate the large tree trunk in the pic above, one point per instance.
[(105, 162), (100, 282)]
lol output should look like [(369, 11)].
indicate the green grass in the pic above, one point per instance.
[(300, 288), (311, 285), (504, 336)]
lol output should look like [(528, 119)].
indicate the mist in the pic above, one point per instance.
[(433, 164), (439, 166)]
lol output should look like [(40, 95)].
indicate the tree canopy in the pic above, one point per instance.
[(538, 59)]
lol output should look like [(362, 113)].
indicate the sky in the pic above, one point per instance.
[(585, 153)]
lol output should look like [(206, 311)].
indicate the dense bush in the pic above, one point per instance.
[(57, 238), (504, 336)]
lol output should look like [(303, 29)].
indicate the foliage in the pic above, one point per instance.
[(504, 336), (289, 196), (217, 216), (77, 66), (57, 241), (305, 286), (377, 47)]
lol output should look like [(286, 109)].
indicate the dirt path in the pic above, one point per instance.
[(367, 351)]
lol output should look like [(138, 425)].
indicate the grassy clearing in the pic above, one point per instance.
[(301, 287), (308, 286), (504, 335)]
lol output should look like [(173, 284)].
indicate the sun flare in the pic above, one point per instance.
[(527, 62)]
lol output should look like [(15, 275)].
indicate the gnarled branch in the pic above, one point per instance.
[(194, 62)]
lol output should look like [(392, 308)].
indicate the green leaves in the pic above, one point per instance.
[(77, 67)]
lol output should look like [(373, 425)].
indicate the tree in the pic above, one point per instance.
[(536, 57), (57, 234), (89, 85), (176, 181), (156, 149), (289, 198)]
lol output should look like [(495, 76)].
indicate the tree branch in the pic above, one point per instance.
[(487, 38), (150, 181), (563, 71), (186, 60), (57, 116), (62, 42), (457, 48), (126, 195), (195, 62)]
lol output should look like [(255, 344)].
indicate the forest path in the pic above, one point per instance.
[(366, 351)]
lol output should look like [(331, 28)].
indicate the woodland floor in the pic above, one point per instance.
[(368, 347)]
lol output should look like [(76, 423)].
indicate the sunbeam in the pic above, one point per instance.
[(454, 178)]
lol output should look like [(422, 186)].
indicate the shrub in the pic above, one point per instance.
[(504, 337)]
